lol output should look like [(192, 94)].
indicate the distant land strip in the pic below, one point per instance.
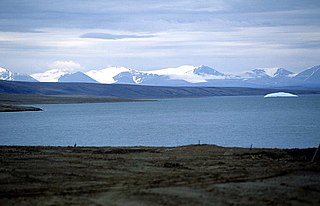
[(129, 92), (14, 102), (17, 99)]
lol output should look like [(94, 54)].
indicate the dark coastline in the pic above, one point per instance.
[(58, 99), (15, 108)]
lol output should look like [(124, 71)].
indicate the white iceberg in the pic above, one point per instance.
[(281, 94)]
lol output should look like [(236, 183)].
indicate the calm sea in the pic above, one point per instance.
[(226, 121)]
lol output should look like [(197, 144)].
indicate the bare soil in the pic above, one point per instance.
[(186, 175)]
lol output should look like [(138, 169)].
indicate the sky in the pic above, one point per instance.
[(228, 35)]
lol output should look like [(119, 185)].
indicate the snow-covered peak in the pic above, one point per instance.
[(185, 73), (14, 76), (256, 73), (51, 75), (190, 73), (311, 74), (205, 70), (6, 74), (107, 75), (315, 68), (182, 70), (280, 73), (270, 71)]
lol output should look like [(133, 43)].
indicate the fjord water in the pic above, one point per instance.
[(226, 121)]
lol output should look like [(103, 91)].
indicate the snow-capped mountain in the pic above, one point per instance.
[(268, 73), (311, 75), (51, 75), (205, 71), (143, 78), (270, 77), (106, 76), (62, 75), (283, 73), (13, 76)]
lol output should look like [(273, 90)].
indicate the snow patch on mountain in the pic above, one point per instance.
[(190, 73), (310, 75), (271, 72), (51, 75), (182, 73), (6, 74), (206, 71), (255, 73), (106, 75), (268, 73), (2, 70), (14, 76)]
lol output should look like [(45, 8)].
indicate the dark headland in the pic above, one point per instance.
[(16, 108), (186, 175)]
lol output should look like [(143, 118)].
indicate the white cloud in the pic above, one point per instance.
[(65, 65)]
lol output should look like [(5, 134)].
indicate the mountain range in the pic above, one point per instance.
[(180, 76)]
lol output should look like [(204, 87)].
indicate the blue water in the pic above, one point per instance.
[(225, 121)]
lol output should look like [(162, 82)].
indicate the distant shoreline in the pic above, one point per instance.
[(14, 102)]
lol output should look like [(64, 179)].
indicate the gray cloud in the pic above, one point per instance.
[(304, 45), (150, 16), (113, 36), (161, 33)]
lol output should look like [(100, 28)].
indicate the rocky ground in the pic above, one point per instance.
[(187, 175)]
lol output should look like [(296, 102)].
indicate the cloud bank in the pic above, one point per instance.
[(234, 35)]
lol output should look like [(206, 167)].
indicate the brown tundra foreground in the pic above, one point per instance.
[(186, 175)]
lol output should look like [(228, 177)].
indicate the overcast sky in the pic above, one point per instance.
[(229, 35)]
